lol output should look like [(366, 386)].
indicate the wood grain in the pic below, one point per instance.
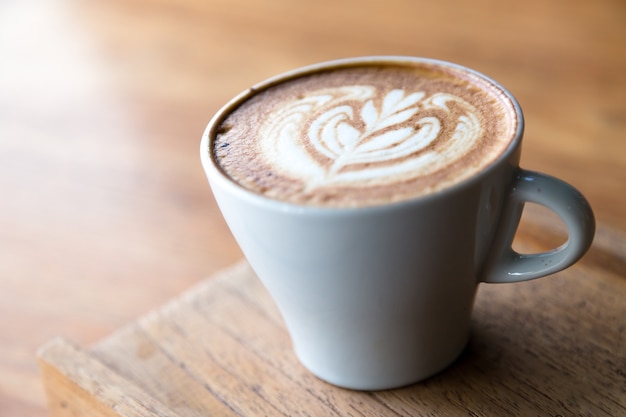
[(105, 212), (548, 347)]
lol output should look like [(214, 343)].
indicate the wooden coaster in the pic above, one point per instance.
[(550, 347)]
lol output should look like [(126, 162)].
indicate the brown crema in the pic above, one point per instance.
[(364, 134)]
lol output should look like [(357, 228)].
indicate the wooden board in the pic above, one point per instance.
[(550, 347)]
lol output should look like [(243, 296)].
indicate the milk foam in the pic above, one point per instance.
[(363, 135), (340, 136)]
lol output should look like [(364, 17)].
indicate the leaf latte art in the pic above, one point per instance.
[(362, 135), (345, 136)]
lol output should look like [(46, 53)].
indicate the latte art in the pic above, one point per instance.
[(363, 135), (340, 135)]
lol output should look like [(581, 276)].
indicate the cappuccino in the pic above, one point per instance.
[(363, 134)]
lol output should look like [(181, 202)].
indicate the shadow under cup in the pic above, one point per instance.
[(381, 296)]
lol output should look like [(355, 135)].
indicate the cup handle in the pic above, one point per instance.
[(505, 264)]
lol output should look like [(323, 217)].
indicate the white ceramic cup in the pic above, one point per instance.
[(380, 297)]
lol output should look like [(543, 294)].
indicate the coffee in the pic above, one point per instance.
[(364, 134), (369, 294)]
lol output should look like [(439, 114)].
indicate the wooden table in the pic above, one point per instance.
[(105, 212)]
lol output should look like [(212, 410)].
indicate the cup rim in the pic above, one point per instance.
[(217, 176)]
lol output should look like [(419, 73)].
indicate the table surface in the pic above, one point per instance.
[(105, 211)]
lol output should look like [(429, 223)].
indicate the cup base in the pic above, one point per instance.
[(379, 380)]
